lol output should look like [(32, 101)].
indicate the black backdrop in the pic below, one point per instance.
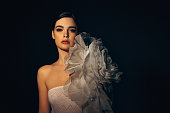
[(136, 34)]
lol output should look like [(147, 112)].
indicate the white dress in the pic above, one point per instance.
[(60, 103), (91, 73)]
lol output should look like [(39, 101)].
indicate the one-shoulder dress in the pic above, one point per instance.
[(91, 72), (60, 103)]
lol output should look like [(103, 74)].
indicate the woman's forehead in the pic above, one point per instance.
[(66, 21)]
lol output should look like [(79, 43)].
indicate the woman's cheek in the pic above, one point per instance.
[(72, 41)]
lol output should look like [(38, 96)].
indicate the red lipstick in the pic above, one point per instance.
[(65, 42)]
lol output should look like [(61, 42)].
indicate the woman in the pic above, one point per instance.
[(77, 82)]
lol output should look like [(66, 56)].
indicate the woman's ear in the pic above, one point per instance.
[(53, 34)]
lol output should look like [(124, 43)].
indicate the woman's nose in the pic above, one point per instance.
[(66, 34)]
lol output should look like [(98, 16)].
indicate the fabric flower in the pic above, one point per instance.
[(91, 69)]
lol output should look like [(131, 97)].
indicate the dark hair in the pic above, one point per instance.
[(62, 15)]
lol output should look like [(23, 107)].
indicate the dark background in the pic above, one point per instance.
[(136, 34)]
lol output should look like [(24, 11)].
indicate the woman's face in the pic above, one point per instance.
[(64, 33)]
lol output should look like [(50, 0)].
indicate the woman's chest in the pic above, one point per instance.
[(56, 78)]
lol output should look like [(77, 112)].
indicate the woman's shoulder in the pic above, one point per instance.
[(44, 71), (45, 68)]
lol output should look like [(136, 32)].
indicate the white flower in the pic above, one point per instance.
[(90, 68)]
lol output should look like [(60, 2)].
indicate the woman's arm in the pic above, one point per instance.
[(43, 91)]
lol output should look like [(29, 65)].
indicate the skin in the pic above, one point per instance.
[(50, 76)]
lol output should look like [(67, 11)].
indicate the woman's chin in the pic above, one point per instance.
[(65, 48)]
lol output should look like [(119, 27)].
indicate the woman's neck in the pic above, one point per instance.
[(62, 54)]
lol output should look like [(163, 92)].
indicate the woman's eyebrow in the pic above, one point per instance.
[(68, 27), (59, 26), (72, 27)]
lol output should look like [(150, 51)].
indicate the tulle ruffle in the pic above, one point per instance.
[(91, 69)]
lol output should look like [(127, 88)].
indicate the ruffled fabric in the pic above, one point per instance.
[(91, 71)]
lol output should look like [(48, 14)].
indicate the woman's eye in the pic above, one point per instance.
[(73, 30), (59, 29)]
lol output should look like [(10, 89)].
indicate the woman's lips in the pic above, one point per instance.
[(65, 42)]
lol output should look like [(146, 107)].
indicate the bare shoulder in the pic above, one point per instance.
[(43, 72)]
